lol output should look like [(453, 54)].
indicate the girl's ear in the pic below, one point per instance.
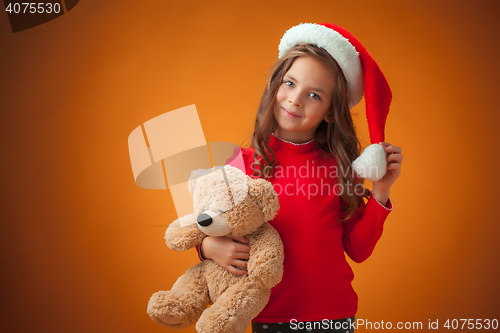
[(329, 118)]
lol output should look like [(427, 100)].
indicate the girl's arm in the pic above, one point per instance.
[(227, 252), (362, 232)]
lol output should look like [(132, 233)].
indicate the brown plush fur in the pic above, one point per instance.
[(246, 205)]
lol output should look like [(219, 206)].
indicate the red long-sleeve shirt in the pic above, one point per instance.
[(316, 284)]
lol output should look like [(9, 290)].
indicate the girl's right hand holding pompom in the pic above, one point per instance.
[(227, 252)]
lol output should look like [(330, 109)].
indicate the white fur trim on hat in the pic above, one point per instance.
[(372, 163), (339, 48)]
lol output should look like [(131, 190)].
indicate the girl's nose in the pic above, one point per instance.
[(294, 99)]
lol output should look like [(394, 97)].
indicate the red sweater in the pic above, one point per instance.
[(316, 284)]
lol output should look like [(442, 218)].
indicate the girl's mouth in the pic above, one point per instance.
[(290, 114)]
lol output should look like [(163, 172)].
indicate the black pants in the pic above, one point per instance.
[(325, 326)]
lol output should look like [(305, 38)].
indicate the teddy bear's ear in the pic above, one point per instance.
[(265, 193), (195, 174)]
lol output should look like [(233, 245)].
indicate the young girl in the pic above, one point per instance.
[(305, 143)]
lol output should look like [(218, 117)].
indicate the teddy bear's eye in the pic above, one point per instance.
[(259, 203)]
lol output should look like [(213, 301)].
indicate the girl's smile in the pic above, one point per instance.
[(303, 99), (289, 113)]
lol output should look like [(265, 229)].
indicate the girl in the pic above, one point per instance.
[(305, 143)]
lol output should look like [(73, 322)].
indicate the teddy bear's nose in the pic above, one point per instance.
[(204, 220)]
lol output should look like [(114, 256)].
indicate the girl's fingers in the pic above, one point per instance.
[(394, 158), (393, 149), (239, 263), (240, 257), (243, 255), (393, 166), (241, 248), (390, 149), (236, 271)]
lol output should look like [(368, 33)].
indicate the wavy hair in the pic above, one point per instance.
[(335, 138)]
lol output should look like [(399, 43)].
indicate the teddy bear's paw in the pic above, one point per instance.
[(168, 319), (215, 321), (205, 327), (164, 309)]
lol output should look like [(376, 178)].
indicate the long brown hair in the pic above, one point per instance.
[(336, 137)]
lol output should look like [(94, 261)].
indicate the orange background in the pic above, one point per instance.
[(82, 246)]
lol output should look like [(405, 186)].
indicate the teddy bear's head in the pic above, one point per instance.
[(226, 201)]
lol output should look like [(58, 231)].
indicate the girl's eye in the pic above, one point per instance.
[(289, 83), (315, 96)]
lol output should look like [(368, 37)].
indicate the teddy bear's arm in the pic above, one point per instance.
[(183, 234), (265, 266)]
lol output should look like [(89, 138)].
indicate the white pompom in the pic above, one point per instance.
[(371, 164)]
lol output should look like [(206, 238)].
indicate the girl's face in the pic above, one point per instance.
[(303, 99)]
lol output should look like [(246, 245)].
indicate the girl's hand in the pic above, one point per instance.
[(226, 252), (394, 159)]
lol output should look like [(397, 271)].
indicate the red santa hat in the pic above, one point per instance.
[(363, 76)]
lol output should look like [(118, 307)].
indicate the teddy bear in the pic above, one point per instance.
[(226, 202)]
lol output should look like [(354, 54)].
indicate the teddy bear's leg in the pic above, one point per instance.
[(183, 304), (234, 310)]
